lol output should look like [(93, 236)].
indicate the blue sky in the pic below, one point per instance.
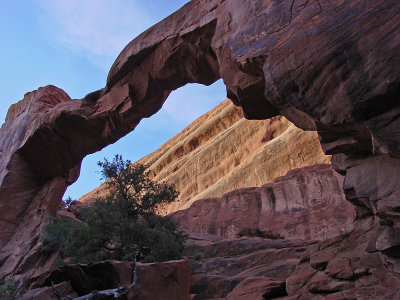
[(72, 44)]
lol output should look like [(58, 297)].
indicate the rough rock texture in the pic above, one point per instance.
[(307, 203), (231, 265), (26, 198), (221, 151), (349, 266), (78, 209), (47, 293), (329, 66), (164, 281), (258, 288)]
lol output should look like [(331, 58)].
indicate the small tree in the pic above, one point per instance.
[(123, 226), (8, 289), (68, 201), (133, 191)]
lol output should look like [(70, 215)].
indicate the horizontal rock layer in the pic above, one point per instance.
[(227, 265), (221, 151), (307, 203)]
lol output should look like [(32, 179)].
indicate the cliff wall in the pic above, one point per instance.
[(222, 151), (307, 203)]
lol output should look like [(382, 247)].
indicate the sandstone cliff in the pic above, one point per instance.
[(306, 203), (222, 151)]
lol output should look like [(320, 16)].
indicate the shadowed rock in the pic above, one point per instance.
[(232, 267), (164, 281)]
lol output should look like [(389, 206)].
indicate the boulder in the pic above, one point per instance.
[(164, 281), (78, 209), (258, 288), (63, 289), (66, 215)]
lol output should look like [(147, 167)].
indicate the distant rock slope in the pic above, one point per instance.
[(222, 151)]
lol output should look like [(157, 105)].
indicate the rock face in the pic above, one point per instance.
[(258, 288), (349, 267), (254, 267), (329, 66), (28, 192), (221, 151), (307, 203), (164, 281), (47, 293)]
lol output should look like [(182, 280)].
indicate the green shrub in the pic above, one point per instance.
[(199, 256), (68, 202), (122, 226), (55, 234), (58, 263), (8, 289)]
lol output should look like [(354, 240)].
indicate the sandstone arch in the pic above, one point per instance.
[(334, 70)]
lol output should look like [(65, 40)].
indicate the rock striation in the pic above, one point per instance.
[(222, 151), (328, 66), (306, 203), (251, 266)]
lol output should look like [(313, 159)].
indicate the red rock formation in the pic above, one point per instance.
[(307, 203), (333, 68), (258, 288), (349, 266), (164, 281), (221, 151), (78, 209), (47, 293), (230, 265)]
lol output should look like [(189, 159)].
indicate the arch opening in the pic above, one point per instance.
[(181, 108)]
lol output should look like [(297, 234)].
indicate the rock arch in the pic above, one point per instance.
[(335, 70)]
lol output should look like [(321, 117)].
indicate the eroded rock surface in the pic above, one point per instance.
[(258, 288), (329, 66), (232, 267), (164, 281), (47, 293), (306, 203), (221, 151), (348, 267)]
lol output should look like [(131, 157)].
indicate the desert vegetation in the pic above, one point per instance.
[(123, 226)]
